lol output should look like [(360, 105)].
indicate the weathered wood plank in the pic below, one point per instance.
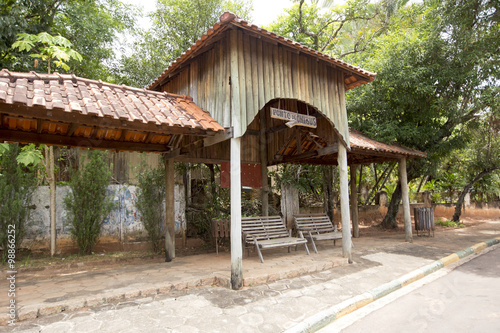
[(226, 122), (235, 82), (255, 87), (260, 74), (276, 69), (248, 78), (242, 77)]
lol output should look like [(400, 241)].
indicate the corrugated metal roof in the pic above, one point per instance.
[(359, 77), (81, 96)]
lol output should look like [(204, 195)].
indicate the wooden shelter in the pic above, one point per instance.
[(279, 102), (70, 111), (256, 97)]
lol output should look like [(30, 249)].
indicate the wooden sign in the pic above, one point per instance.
[(294, 118)]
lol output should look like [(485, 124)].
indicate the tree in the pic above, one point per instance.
[(92, 27), (57, 50), (433, 72), (482, 156), (16, 187), (149, 203), (88, 204), (337, 30), (177, 24)]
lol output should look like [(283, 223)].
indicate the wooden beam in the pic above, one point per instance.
[(205, 142), (344, 202), (71, 129), (311, 154), (38, 126), (277, 129), (59, 140), (236, 246), (354, 202), (170, 210), (38, 112), (263, 163)]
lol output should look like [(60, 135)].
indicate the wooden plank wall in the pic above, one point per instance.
[(263, 70)]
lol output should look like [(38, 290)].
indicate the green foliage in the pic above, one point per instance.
[(30, 155), (337, 30), (16, 187), (51, 49), (450, 224), (91, 26), (87, 204), (149, 203), (177, 24), (435, 69)]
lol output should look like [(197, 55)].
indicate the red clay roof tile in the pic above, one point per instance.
[(84, 96)]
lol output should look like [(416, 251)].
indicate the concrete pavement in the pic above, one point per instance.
[(189, 294)]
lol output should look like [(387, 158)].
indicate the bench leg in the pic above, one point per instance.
[(314, 245), (260, 254), (307, 249)]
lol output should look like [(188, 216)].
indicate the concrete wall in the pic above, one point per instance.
[(122, 225), (374, 214)]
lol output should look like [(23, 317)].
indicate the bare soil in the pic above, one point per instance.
[(37, 261)]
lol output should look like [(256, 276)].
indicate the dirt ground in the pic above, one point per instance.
[(39, 261)]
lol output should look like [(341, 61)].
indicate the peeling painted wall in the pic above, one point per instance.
[(123, 223)]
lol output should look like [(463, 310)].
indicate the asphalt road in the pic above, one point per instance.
[(465, 300)]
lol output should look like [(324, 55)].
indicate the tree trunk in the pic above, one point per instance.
[(389, 221), (328, 190), (51, 179), (460, 202)]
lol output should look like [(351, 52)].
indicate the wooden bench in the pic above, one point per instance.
[(316, 227), (266, 232)]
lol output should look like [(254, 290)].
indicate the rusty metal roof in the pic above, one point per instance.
[(97, 99), (358, 75)]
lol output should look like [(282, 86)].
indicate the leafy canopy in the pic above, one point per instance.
[(51, 49)]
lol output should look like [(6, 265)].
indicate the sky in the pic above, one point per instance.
[(265, 11)]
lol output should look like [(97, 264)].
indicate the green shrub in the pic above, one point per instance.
[(87, 204), (16, 187), (450, 224), (149, 203)]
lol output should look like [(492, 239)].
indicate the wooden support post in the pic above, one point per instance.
[(169, 210), (406, 199), (263, 163), (236, 243), (53, 188), (344, 202), (354, 202)]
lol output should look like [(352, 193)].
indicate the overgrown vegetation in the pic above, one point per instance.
[(88, 204), (452, 224), (150, 203), (16, 187)]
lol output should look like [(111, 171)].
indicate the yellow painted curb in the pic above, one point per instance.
[(479, 247), (411, 277), (359, 302), (450, 259)]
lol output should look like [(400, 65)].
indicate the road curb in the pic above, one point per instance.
[(325, 317)]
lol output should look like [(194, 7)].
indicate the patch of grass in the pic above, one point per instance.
[(450, 224)]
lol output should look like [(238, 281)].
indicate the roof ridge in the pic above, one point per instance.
[(229, 17)]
